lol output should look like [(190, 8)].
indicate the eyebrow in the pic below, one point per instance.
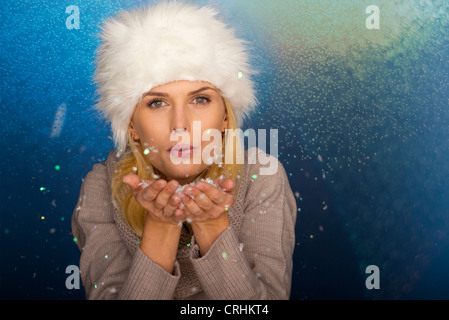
[(162, 94)]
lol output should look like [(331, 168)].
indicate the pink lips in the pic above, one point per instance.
[(181, 150)]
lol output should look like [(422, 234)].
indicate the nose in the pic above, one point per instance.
[(179, 119)]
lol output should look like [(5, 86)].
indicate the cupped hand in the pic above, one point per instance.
[(158, 198), (205, 202)]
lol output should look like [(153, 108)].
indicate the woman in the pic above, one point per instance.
[(162, 219)]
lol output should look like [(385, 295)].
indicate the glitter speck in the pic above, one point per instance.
[(240, 75), (75, 239), (146, 151), (254, 176), (57, 167), (224, 255), (42, 218), (42, 188)]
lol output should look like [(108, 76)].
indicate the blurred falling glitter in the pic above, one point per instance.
[(58, 122)]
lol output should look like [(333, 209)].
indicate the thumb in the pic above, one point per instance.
[(226, 184), (134, 182)]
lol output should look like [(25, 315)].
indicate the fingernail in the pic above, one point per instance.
[(160, 184), (200, 187)]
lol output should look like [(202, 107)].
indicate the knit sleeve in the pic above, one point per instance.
[(107, 268), (257, 262)]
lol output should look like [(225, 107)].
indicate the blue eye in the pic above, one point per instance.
[(155, 104)]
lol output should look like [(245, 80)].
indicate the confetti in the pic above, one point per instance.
[(183, 187), (144, 184)]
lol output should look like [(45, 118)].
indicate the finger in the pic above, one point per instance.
[(221, 201), (134, 182), (190, 202), (205, 206), (217, 196), (179, 215), (161, 200), (150, 193), (173, 203), (211, 191), (226, 184), (202, 200)]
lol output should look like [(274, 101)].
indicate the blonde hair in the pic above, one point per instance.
[(135, 162)]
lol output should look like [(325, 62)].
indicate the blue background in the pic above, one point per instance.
[(363, 134)]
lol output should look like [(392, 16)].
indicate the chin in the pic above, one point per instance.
[(185, 173)]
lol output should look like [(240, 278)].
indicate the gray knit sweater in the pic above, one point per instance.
[(252, 259)]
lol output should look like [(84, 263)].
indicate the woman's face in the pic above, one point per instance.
[(170, 110)]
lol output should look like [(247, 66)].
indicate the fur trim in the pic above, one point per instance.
[(146, 47)]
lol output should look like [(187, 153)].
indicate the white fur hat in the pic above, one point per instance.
[(147, 47)]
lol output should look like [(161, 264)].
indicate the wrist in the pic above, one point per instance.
[(206, 233), (213, 225), (160, 242), (159, 229)]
